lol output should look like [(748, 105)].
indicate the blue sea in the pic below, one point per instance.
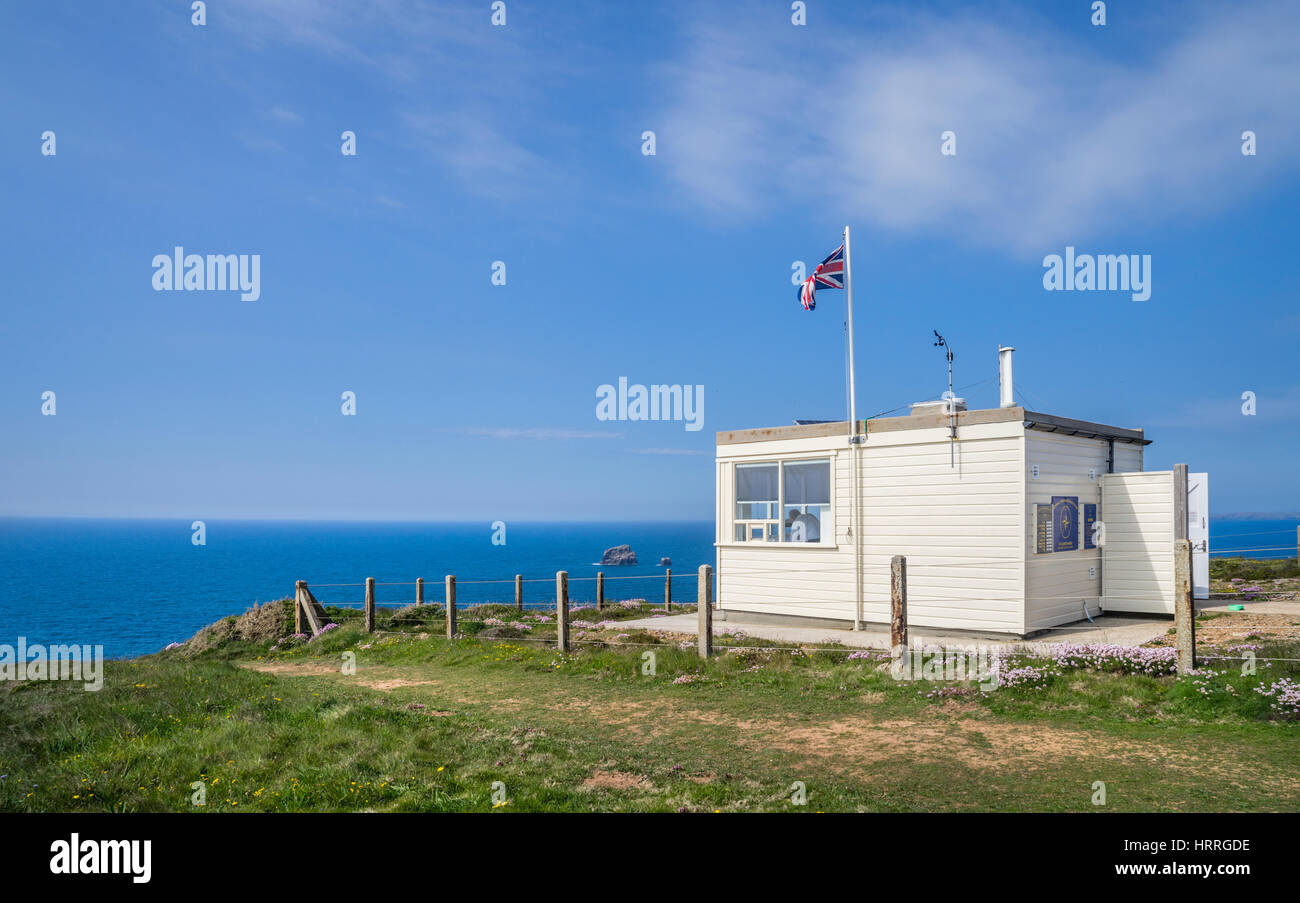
[(1253, 537), (134, 586)]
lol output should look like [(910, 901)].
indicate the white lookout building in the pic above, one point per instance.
[(994, 510)]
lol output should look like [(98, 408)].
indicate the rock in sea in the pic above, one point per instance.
[(665, 562), (617, 555)]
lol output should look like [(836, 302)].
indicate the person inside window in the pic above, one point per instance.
[(803, 527)]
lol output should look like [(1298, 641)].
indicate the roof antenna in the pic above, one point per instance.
[(952, 402)]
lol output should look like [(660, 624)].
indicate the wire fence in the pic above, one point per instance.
[(483, 606), (732, 640)]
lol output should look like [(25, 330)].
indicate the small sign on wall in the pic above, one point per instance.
[(1089, 518), (1065, 523), (1042, 529)]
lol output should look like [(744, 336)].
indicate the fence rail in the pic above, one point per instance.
[(310, 612)]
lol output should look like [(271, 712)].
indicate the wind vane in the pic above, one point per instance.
[(952, 402)]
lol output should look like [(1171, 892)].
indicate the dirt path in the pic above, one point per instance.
[(856, 745)]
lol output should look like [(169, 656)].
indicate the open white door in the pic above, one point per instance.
[(1137, 559), (1198, 532)]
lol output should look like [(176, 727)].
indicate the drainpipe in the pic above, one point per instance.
[(855, 459)]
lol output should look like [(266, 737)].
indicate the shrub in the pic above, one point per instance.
[(263, 623), (642, 637), (210, 637), (1118, 659), (417, 616), (1283, 696), (1254, 568), (1025, 676)]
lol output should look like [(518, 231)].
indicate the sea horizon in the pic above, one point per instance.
[(136, 584)]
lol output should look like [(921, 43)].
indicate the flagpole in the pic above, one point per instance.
[(853, 442), (848, 290)]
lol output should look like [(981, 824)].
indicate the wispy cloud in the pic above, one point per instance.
[(452, 73), (281, 114), (1053, 141), (477, 152), (356, 32), (669, 451), (511, 432), (1274, 409), (390, 35), (262, 143)]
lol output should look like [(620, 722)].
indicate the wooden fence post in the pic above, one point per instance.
[(519, 591), (1180, 501), (370, 605), (562, 610), (1184, 606), (600, 590), (704, 606), (419, 590), (309, 615), (898, 604), (668, 590), (451, 606)]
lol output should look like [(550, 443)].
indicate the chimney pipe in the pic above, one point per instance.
[(1004, 377)]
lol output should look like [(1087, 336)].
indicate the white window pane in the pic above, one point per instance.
[(807, 483), (756, 483)]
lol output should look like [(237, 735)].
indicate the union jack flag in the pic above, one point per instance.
[(829, 273)]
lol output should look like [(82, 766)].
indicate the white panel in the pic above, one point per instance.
[(1138, 559), (1128, 457), (960, 528), (1058, 585), (1198, 532)]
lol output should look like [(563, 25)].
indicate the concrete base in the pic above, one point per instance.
[(1125, 630), (759, 617), (868, 627)]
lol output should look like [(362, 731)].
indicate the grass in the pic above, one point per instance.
[(424, 723), (1254, 568)]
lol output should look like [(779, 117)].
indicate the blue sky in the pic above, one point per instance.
[(523, 143)]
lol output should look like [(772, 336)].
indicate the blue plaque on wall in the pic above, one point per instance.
[(1089, 518), (1065, 523)]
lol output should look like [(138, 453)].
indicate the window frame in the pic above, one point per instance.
[(827, 529), (749, 524)]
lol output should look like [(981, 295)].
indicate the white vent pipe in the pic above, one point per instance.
[(1004, 377)]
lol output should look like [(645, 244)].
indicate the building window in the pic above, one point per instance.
[(784, 501), (758, 503), (806, 499)]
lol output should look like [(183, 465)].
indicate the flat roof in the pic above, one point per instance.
[(1031, 419)]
